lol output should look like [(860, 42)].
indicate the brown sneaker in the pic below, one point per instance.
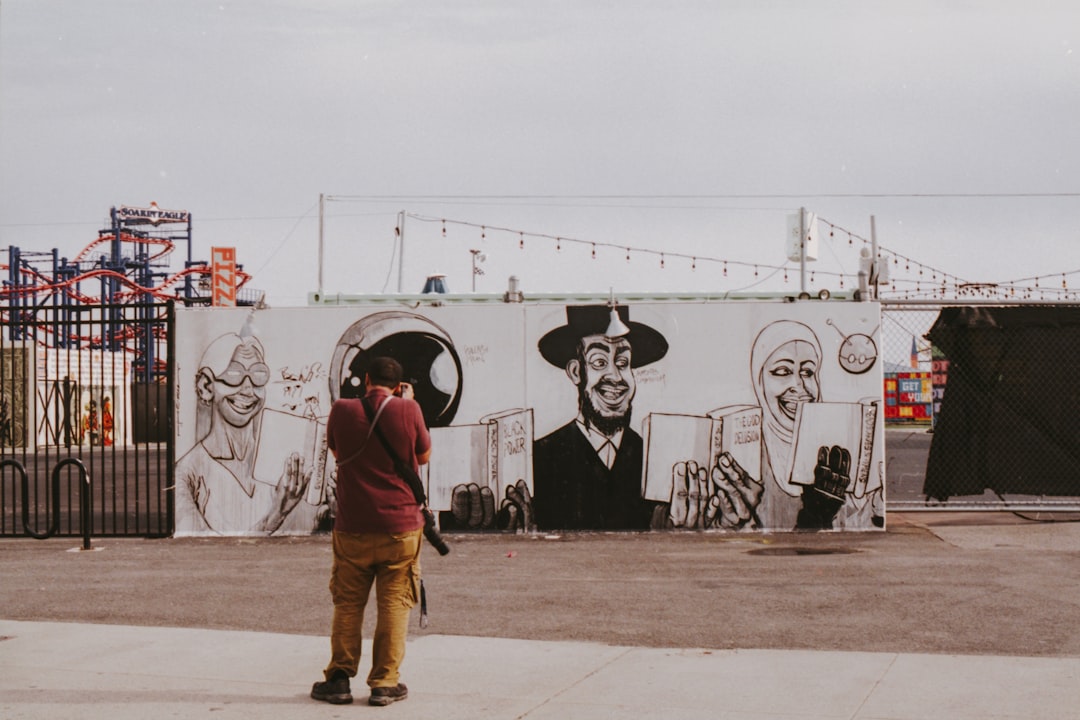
[(387, 695)]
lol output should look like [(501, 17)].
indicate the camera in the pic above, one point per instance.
[(432, 533), (404, 390), (413, 481)]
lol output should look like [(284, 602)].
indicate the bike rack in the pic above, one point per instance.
[(54, 524)]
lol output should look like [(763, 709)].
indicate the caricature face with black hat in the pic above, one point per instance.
[(599, 356)]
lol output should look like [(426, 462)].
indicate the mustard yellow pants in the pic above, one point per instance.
[(392, 563)]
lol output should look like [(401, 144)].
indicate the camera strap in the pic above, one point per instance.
[(370, 429), (417, 489)]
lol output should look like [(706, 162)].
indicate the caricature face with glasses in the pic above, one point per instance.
[(239, 391), (258, 374)]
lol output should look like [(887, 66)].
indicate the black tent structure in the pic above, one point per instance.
[(1010, 415)]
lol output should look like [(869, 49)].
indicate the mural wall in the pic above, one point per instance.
[(742, 415)]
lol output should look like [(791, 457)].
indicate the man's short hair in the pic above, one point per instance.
[(385, 371)]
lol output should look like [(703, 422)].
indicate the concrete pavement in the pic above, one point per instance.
[(108, 672), (96, 663)]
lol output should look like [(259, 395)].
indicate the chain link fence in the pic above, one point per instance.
[(981, 406)]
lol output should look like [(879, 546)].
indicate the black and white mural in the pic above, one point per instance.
[(545, 417)]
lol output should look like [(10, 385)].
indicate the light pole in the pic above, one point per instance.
[(478, 257)]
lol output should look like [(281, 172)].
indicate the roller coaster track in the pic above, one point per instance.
[(39, 283), (42, 284), (165, 243), (33, 287)]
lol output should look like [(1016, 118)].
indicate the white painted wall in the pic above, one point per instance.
[(706, 367)]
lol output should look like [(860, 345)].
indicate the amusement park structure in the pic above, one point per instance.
[(119, 285)]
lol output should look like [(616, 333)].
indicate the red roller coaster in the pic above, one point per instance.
[(118, 284), (28, 280)]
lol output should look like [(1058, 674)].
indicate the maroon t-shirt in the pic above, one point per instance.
[(371, 497)]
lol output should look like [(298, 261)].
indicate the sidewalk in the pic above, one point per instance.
[(106, 672)]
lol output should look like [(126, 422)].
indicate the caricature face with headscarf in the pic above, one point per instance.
[(784, 366)]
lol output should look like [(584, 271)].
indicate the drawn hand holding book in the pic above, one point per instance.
[(739, 494), (703, 469), (822, 500), (495, 456), (291, 486), (832, 473), (473, 507), (724, 498)]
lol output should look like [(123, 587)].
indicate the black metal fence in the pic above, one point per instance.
[(981, 404), (86, 407)]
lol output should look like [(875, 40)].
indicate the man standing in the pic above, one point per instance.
[(587, 474), (377, 532)]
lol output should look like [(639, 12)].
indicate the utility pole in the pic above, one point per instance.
[(322, 208), (401, 252), (874, 274), (802, 250), (478, 257)]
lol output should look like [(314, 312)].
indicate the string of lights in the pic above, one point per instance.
[(909, 278), (916, 280), (895, 257), (663, 257), (683, 197), (1036, 287)]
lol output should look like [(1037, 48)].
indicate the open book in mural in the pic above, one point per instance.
[(834, 446), (486, 458), (304, 437), (672, 439)]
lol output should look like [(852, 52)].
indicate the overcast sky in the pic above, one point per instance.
[(690, 128)]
